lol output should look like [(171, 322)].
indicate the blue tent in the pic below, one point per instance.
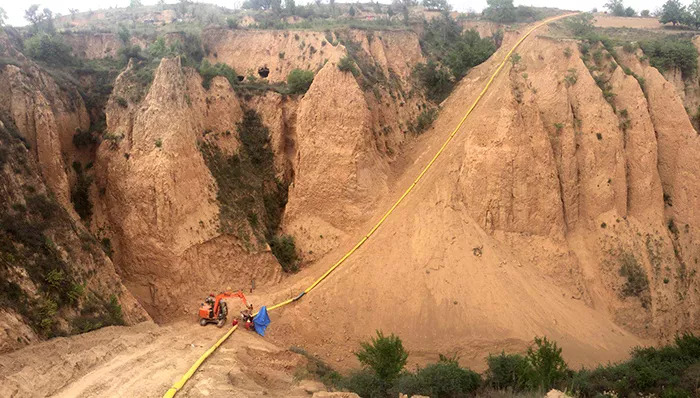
[(261, 321)]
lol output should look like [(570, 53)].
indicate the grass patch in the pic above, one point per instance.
[(209, 72)]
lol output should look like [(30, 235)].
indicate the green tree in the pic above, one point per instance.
[(508, 371), (135, 3), (630, 12), (48, 48), (500, 10), (384, 355), (644, 13), (547, 363), (276, 5), (580, 25), (351, 11), (672, 11), (615, 7), (290, 6), (41, 21), (299, 80), (32, 14), (693, 14)]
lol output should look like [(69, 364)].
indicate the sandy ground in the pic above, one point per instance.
[(146, 359)]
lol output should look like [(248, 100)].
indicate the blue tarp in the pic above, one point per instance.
[(261, 321)]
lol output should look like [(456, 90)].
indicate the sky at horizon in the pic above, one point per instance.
[(15, 10)]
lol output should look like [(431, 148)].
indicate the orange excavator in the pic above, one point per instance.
[(214, 309)]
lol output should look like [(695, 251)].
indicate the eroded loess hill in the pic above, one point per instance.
[(55, 277), (566, 206), (190, 180)]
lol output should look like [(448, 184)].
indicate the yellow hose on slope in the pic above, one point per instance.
[(173, 390)]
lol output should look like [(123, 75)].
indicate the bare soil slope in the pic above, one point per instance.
[(523, 226)]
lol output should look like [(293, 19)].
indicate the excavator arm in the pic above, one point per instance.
[(224, 295)]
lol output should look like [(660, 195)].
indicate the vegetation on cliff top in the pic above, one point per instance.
[(451, 52)]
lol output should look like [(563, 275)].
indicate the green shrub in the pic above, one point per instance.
[(580, 25), (76, 292), (637, 283), (158, 49), (47, 313), (444, 379), (670, 52), (189, 49), (445, 40), (124, 34), (571, 77), (366, 384), (510, 371), (128, 52), (346, 64), (672, 370), (425, 120), (48, 48), (299, 80), (209, 72), (114, 311), (436, 81), (549, 367), (121, 101), (55, 278), (384, 355), (284, 249)]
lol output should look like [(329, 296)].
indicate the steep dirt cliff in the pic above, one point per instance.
[(56, 278), (45, 113), (546, 215), (157, 197)]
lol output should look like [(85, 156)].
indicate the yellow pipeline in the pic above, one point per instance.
[(171, 392), (180, 383)]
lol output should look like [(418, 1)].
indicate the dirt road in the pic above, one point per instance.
[(144, 361)]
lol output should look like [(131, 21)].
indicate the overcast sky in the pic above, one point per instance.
[(15, 9)]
